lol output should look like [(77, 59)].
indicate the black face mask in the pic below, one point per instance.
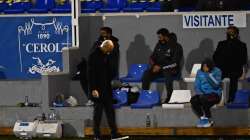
[(101, 38), (231, 36)]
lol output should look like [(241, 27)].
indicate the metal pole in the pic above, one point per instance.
[(75, 14)]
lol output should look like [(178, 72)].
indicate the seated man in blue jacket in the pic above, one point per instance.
[(208, 92)]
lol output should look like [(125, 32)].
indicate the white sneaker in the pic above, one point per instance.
[(203, 122), (120, 138), (208, 124), (89, 103)]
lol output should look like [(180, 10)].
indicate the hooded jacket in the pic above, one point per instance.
[(168, 55), (207, 83)]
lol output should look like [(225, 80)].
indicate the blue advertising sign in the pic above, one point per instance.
[(30, 46)]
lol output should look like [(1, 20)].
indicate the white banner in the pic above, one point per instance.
[(214, 20)]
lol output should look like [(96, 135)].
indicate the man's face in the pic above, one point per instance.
[(205, 68), (162, 39), (107, 48), (104, 34), (231, 33)]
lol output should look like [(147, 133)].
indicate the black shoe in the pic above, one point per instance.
[(119, 137)]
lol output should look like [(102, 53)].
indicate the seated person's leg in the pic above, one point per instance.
[(196, 105), (147, 78), (208, 101), (169, 79)]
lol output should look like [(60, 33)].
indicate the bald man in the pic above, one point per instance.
[(100, 75)]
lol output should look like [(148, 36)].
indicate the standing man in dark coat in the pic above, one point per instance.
[(101, 73), (165, 61), (231, 57), (106, 34)]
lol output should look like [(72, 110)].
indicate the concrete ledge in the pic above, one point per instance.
[(76, 119), (134, 131), (55, 73), (177, 131), (185, 131), (214, 131)]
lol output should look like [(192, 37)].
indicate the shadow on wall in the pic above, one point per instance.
[(138, 51), (88, 32), (206, 49)]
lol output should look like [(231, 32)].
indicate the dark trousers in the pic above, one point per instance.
[(105, 104), (201, 104), (149, 76), (233, 87)]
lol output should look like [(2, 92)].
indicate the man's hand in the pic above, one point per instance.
[(156, 68), (95, 94), (243, 76), (151, 62)]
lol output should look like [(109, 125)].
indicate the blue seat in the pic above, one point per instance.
[(65, 8), (27, 5), (58, 105), (147, 99), (42, 6), (18, 7), (154, 7), (135, 7), (135, 73), (112, 6), (90, 6), (186, 9), (3, 6), (121, 96), (247, 7), (248, 79), (241, 100)]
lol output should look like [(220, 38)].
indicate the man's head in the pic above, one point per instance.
[(163, 35), (105, 32), (173, 37), (232, 32), (107, 46), (207, 65)]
